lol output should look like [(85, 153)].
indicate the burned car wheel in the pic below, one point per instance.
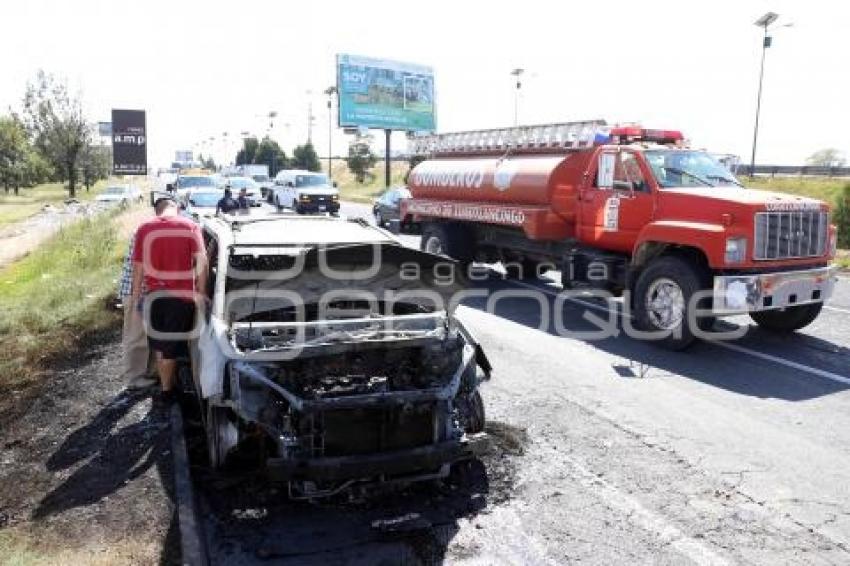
[(475, 418), (222, 435)]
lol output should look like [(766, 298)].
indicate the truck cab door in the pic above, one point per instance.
[(617, 200)]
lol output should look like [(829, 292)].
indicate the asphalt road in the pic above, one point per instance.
[(727, 453)]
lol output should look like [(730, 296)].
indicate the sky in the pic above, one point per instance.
[(202, 68)]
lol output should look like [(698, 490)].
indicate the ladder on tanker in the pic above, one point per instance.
[(542, 138)]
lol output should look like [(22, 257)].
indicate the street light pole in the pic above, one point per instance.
[(763, 22), (517, 73)]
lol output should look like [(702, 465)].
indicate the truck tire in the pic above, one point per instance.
[(448, 240), (662, 294), (788, 319), (524, 270)]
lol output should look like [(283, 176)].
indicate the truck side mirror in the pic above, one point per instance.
[(334, 184), (290, 184)]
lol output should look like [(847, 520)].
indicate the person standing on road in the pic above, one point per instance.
[(227, 203), (243, 201), (139, 370), (169, 257)]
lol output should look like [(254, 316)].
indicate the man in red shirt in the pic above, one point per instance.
[(169, 254)]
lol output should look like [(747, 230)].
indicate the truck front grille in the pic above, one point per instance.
[(796, 234)]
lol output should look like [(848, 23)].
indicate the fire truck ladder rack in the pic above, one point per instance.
[(542, 138)]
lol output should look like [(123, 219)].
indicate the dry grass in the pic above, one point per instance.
[(30, 201), (826, 189)]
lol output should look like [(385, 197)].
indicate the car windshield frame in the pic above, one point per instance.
[(678, 168)]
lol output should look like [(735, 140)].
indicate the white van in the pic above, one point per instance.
[(304, 191)]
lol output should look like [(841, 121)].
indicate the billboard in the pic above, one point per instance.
[(129, 143), (378, 93)]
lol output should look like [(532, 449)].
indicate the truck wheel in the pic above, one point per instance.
[(435, 240), (662, 294), (788, 319)]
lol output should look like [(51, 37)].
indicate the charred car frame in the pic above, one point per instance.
[(332, 354)]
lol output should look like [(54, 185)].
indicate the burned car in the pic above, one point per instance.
[(331, 354)]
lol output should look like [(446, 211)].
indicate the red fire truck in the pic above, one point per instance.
[(625, 209)]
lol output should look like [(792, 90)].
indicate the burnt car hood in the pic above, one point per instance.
[(380, 269)]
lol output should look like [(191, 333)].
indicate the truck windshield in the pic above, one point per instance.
[(310, 180), (678, 168)]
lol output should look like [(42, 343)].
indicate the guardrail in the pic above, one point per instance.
[(790, 170)]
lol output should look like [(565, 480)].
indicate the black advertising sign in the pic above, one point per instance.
[(129, 143)]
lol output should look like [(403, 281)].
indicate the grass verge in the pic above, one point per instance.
[(29, 201), (351, 190), (56, 296), (821, 188)]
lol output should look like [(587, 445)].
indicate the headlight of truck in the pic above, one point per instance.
[(736, 250), (334, 197), (304, 197)]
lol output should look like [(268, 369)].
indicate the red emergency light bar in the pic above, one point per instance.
[(628, 134)]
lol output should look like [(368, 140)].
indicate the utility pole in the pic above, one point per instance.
[(310, 117), (330, 92), (517, 73)]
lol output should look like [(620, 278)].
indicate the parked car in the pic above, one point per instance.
[(327, 394), (386, 206), (236, 184), (305, 191), (124, 194)]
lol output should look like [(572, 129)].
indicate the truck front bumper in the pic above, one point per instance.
[(734, 294)]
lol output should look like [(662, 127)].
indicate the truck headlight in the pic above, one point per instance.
[(736, 250), (304, 197), (334, 197)]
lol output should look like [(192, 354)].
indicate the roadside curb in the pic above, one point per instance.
[(192, 548)]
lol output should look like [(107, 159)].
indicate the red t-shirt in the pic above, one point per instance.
[(165, 247)]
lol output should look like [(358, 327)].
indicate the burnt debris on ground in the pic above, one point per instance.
[(249, 519), (86, 468)]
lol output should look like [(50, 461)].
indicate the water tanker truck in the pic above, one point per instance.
[(628, 210)]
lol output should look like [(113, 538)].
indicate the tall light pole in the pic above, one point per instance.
[(763, 22), (330, 92), (517, 73)]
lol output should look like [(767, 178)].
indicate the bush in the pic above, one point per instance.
[(841, 217)]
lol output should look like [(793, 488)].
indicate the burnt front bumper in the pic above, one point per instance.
[(395, 463)]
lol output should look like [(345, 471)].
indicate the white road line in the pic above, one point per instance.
[(782, 361), (735, 347)]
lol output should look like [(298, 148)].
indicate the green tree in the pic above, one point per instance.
[(841, 217), (55, 120), (207, 163), (829, 157), (14, 147), (412, 162), (269, 153), (360, 159), (247, 154), (95, 164), (304, 157)]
